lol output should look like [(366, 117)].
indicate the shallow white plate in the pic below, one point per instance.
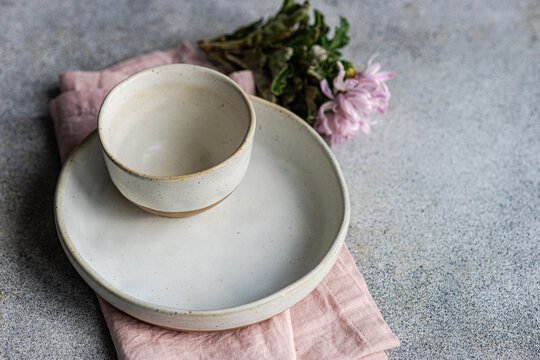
[(253, 256)]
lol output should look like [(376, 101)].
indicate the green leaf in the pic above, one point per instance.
[(263, 85), (280, 81), (287, 4), (291, 91), (283, 25), (319, 22), (278, 60), (340, 38), (305, 37), (317, 72), (244, 31)]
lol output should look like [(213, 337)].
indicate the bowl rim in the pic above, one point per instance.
[(248, 137), (324, 264)]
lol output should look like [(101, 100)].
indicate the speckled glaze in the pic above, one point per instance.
[(269, 245), (176, 139)]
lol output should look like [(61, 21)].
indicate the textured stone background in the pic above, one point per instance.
[(445, 193)]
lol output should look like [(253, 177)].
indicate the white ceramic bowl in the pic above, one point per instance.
[(177, 138)]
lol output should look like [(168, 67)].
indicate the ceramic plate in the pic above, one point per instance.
[(253, 256)]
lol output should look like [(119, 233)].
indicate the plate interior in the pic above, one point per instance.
[(275, 228)]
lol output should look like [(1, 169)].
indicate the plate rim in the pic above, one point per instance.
[(325, 264)]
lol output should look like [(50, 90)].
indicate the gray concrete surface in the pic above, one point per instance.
[(445, 193)]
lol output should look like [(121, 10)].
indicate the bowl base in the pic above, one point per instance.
[(180, 214)]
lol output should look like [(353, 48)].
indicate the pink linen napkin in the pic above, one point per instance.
[(338, 320)]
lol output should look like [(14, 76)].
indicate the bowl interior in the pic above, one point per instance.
[(174, 120)]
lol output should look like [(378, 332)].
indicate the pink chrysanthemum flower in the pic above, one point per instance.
[(352, 103)]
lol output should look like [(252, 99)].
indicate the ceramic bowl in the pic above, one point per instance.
[(177, 138)]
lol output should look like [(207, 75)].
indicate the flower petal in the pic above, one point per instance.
[(325, 88), (322, 123), (385, 75), (365, 127), (339, 80), (372, 58)]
